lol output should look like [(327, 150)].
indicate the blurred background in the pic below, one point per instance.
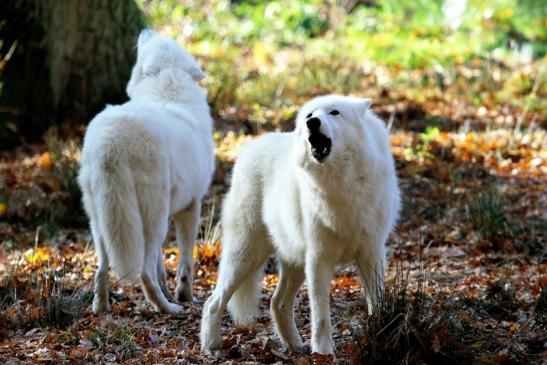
[(62, 61), (461, 84), (438, 71)]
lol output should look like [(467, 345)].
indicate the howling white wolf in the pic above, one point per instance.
[(145, 161), (319, 196)]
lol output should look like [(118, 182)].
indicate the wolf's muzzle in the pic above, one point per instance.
[(320, 144), (313, 124)]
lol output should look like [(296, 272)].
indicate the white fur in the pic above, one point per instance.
[(145, 161), (312, 215)]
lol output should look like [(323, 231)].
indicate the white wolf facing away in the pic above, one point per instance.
[(145, 161), (319, 196)]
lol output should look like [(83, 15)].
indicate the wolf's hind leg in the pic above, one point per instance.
[(154, 211), (241, 258), (149, 276), (186, 224), (100, 297), (100, 291), (162, 275)]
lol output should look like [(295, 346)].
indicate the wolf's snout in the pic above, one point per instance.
[(313, 124), (320, 144)]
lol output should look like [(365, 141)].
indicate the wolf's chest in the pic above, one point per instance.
[(341, 216)]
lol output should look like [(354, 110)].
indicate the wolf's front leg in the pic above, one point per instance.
[(371, 265), (282, 304), (318, 276)]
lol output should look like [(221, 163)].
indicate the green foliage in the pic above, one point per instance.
[(407, 34), (422, 148), (271, 55)]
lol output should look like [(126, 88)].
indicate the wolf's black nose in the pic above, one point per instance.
[(313, 123)]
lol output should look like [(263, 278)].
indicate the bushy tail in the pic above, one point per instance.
[(119, 220), (244, 303)]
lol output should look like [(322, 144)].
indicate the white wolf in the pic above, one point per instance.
[(319, 196), (145, 161)]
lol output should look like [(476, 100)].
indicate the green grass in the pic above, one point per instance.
[(120, 337)]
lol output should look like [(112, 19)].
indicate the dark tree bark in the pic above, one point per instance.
[(61, 61)]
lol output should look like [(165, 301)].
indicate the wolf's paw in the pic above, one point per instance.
[(298, 345), (209, 339), (294, 342), (306, 349), (211, 348), (100, 306), (173, 309)]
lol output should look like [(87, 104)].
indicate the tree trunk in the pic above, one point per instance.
[(61, 61)]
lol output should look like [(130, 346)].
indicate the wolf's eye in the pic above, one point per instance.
[(308, 116), (334, 112)]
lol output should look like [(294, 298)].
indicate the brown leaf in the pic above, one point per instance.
[(321, 359), (230, 342), (436, 343)]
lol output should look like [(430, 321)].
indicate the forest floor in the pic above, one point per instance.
[(466, 279)]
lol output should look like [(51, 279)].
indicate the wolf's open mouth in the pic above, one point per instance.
[(320, 146)]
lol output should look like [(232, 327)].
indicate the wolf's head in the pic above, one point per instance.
[(157, 53), (331, 129)]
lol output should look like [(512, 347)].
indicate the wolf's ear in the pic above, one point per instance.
[(146, 35), (196, 72), (362, 105), (150, 67)]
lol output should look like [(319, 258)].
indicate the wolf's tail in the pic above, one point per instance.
[(119, 222), (244, 303)]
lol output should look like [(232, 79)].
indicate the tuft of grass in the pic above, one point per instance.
[(207, 252), (412, 327), (6, 297), (48, 302), (64, 308), (118, 336), (485, 211), (70, 337)]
